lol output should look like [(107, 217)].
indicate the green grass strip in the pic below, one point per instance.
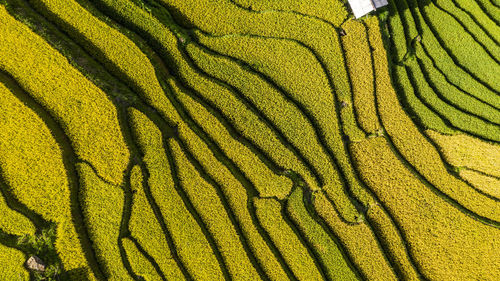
[(481, 35), (103, 218), (185, 232), (457, 44), (411, 144), (455, 75), (145, 227), (329, 252), (287, 241), (333, 12), (139, 263)]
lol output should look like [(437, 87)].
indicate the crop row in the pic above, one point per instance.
[(359, 65), (103, 219), (79, 104), (333, 12), (377, 214), (401, 130), (458, 42), (466, 151), (483, 35), (179, 130), (485, 127), (224, 180), (115, 248), (490, 9), (483, 182), (108, 228), (426, 219), (435, 93), (301, 31), (146, 228), (443, 63), (39, 181), (12, 261), (461, 192)]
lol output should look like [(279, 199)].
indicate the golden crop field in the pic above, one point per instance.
[(249, 140)]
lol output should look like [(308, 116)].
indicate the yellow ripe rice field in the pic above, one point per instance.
[(155, 140)]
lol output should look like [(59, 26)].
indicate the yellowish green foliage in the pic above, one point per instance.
[(68, 246), (209, 203), (394, 241), (487, 184), (233, 190), (114, 45), (227, 18), (359, 65), (294, 67), (332, 11), (12, 262), (314, 96), (145, 73), (400, 53), (359, 241), (267, 183), (102, 206), (204, 198), (30, 158), (432, 96), (456, 75), (490, 9), (140, 265), (320, 37), (190, 242), (250, 125), (281, 112), (460, 108), (328, 252), (33, 169), (428, 220), (482, 19), (12, 222), (86, 114), (459, 42), (246, 122), (286, 240), (466, 151), (276, 185), (145, 227), (412, 144), (479, 32)]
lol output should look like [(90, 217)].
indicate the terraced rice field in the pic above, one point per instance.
[(249, 140)]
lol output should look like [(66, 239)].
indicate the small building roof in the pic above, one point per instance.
[(363, 7), (379, 3)]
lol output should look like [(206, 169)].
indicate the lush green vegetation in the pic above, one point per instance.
[(249, 140)]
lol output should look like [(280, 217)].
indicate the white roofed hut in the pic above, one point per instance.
[(363, 7)]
